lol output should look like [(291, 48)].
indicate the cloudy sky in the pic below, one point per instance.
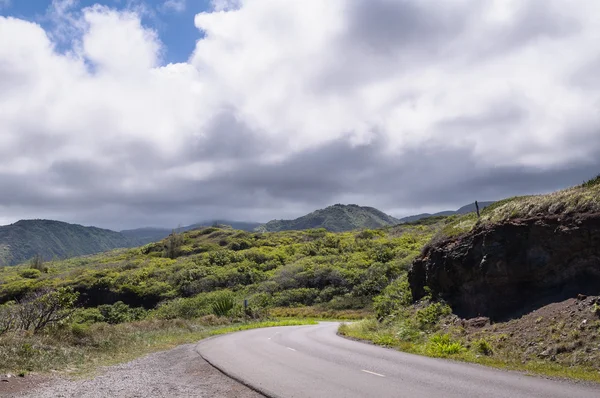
[(126, 113)]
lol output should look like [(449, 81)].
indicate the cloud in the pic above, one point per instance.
[(284, 107), (174, 5)]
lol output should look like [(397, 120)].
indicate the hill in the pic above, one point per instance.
[(463, 210), (25, 239), (336, 218), (149, 234)]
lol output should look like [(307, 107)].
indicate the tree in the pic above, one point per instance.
[(44, 308)]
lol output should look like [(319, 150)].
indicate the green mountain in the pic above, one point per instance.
[(336, 218), (21, 241)]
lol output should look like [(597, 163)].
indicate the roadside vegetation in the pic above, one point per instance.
[(131, 301), (74, 314)]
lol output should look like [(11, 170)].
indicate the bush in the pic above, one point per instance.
[(483, 347), (429, 316), (395, 296), (291, 297), (45, 308), (8, 317), (223, 303), (442, 345), (120, 312), (30, 273)]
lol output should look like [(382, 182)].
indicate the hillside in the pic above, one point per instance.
[(149, 234), (336, 218), (21, 241), (463, 210)]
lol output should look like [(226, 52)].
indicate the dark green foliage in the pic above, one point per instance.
[(24, 240), (336, 271), (30, 273), (120, 312), (395, 297), (223, 303), (44, 308), (336, 218)]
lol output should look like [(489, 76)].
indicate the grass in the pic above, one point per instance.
[(443, 346), (79, 351)]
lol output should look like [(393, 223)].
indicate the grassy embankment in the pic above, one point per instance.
[(569, 331)]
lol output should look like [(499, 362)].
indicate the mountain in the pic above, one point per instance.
[(25, 239), (147, 235), (336, 218), (463, 210)]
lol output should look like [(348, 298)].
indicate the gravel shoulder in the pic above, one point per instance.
[(179, 372)]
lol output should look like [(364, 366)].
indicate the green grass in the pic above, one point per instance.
[(443, 346), (81, 350)]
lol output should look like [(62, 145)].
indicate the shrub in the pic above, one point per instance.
[(395, 296), (442, 345), (30, 273), (45, 308), (8, 317), (429, 316), (483, 347), (290, 297), (120, 312), (223, 303)]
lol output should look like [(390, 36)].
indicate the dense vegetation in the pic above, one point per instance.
[(129, 301), (341, 271), (336, 218), (23, 240)]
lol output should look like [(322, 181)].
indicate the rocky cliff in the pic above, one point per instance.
[(499, 269)]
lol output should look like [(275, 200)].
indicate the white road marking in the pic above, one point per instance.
[(289, 348), (373, 373)]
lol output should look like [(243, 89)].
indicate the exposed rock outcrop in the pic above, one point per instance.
[(498, 269)]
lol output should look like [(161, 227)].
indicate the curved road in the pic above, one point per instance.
[(312, 361)]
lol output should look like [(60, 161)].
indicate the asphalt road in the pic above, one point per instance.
[(312, 361)]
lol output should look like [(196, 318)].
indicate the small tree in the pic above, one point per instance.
[(8, 317), (44, 308), (174, 242), (37, 262)]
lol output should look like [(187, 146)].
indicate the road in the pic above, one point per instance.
[(312, 361)]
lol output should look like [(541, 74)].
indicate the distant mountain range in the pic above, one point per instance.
[(21, 241), (336, 218), (463, 210), (25, 239)]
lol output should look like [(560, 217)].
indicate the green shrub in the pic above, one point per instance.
[(483, 347), (87, 316), (30, 273), (429, 316), (223, 303), (396, 296), (442, 345), (291, 297), (120, 312)]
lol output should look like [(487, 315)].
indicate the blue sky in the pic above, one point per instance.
[(174, 25)]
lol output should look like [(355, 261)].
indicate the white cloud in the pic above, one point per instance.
[(174, 5), (108, 124)]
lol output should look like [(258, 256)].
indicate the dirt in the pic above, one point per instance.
[(565, 332), (179, 372)]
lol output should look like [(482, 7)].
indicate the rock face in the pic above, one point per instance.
[(500, 269)]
